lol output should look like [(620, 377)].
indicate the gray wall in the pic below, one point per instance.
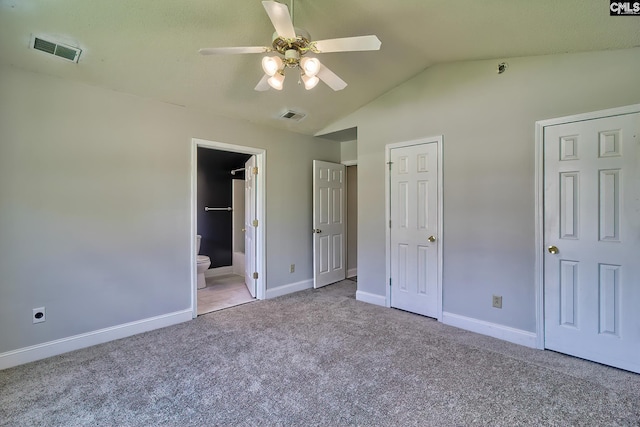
[(349, 151), (95, 204), (488, 125)]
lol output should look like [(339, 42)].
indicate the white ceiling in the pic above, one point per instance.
[(150, 48)]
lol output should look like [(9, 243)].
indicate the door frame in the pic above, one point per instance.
[(347, 164), (539, 200), (261, 200), (439, 140)]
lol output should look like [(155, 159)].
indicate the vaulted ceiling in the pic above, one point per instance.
[(150, 48)]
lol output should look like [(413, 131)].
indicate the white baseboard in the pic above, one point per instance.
[(220, 271), (291, 287), (352, 272), (64, 345), (517, 336), (371, 298)]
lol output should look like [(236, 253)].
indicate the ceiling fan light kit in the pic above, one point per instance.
[(271, 65), (311, 66), (310, 81), (293, 43), (276, 81)]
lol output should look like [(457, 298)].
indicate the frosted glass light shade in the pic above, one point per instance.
[(311, 66), (271, 65), (310, 81), (276, 81)]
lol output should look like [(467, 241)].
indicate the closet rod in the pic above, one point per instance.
[(207, 209)]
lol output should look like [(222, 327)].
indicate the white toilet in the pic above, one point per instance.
[(203, 264)]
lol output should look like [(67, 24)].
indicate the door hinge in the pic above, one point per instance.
[(389, 223), (255, 170), (255, 275), (389, 163), (255, 223), (389, 281)]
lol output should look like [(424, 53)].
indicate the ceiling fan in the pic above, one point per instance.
[(292, 44)]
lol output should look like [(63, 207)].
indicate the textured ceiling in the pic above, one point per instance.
[(150, 48)]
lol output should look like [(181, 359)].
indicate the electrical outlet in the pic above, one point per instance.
[(292, 268), (497, 301), (39, 315)]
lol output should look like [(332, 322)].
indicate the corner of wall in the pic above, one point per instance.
[(370, 298), (349, 152)]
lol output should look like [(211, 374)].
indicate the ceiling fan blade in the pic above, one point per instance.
[(279, 15), (331, 79), (262, 84), (233, 50), (348, 44)]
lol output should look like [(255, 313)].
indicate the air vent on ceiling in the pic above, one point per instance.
[(292, 115), (61, 50)]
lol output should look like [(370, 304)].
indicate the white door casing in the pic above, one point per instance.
[(592, 239), (414, 228), (329, 231), (250, 178), (259, 235)]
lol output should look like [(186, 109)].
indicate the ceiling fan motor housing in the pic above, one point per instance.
[(302, 42)]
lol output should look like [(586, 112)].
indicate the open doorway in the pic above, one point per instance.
[(220, 223), (352, 221)]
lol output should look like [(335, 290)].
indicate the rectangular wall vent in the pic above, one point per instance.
[(61, 50), (292, 115)]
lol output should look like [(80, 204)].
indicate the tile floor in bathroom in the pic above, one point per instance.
[(222, 292)]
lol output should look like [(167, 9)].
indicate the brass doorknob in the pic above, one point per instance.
[(553, 249), (244, 229), (432, 239)]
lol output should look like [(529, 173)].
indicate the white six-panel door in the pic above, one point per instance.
[(414, 228), (328, 223), (249, 227), (592, 240)]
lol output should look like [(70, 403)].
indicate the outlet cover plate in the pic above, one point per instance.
[(39, 315), (497, 301)]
